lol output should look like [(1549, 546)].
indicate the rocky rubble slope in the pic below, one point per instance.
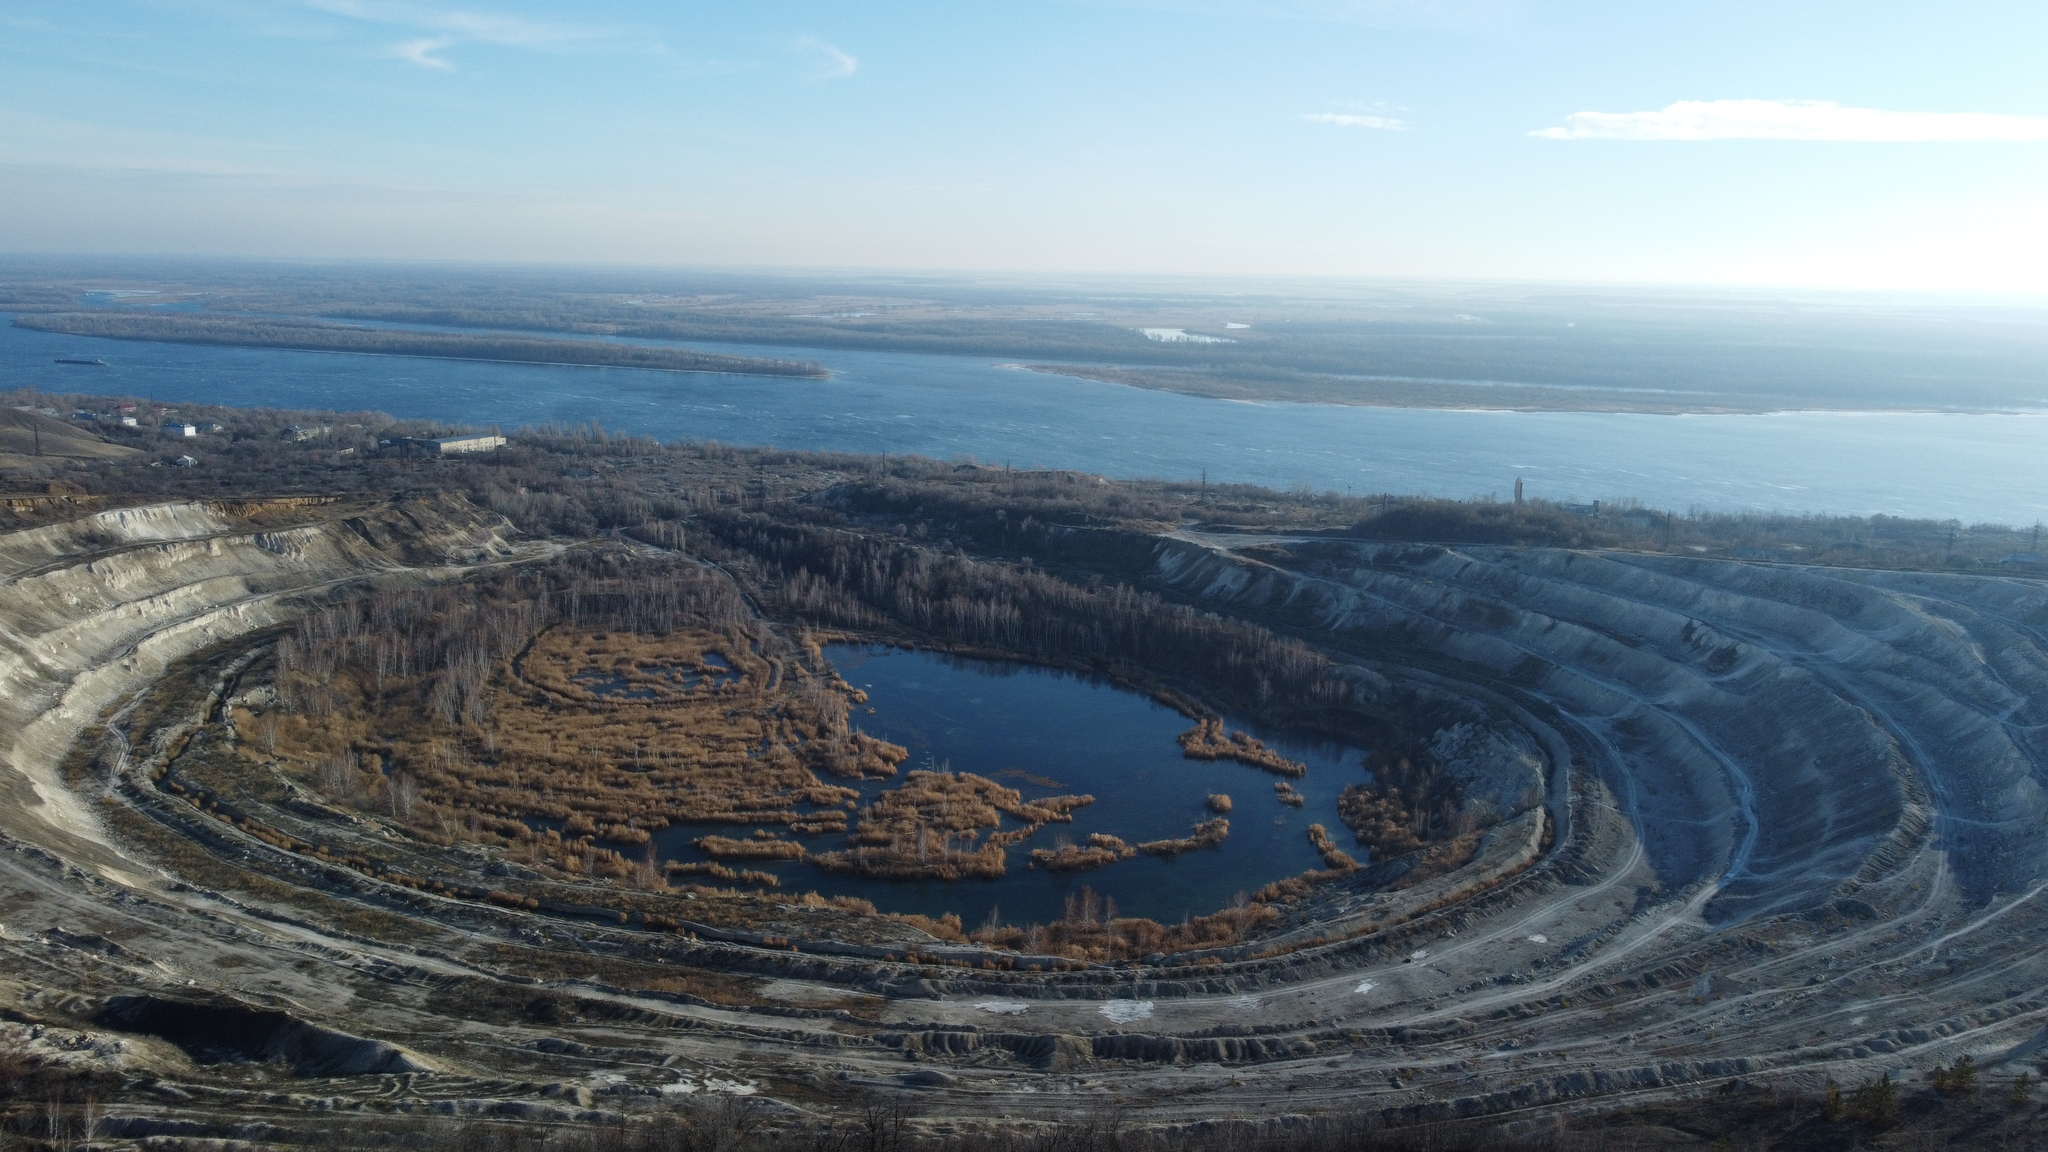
[(1778, 732), (94, 609)]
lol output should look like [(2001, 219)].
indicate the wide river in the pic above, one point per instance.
[(1971, 468)]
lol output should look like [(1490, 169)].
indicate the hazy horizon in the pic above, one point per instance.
[(78, 266)]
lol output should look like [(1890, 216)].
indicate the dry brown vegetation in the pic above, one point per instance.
[(1292, 889), (1285, 793), (1102, 850), (1207, 834), (1208, 740), (570, 713), (631, 667), (1333, 856), (1219, 803), (759, 848), (1380, 822), (498, 712), (1092, 930), (1409, 804), (1442, 858), (930, 828)]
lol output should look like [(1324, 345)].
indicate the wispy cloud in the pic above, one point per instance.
[(830, 62), (487, 27), (1357, 120), (1795, 120), (449, 27), (421, 52)]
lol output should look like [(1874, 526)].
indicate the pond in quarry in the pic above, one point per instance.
[(1050, 733)]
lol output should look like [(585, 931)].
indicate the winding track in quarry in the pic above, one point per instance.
[(1797, 829)]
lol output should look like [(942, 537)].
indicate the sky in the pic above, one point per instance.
[(1844, 145)]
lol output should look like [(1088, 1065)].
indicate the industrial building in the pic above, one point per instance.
[(453, 445)]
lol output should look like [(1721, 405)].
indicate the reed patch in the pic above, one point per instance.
[(1209, 740), (931, 828)]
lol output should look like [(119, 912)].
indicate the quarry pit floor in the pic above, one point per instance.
[(1795, 832)]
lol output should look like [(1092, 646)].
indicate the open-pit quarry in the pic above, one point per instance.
[(1724, 826)]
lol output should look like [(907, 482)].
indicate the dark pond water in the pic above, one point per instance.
[(1045, 732)]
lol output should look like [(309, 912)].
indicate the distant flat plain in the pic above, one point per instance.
[(1449, 346)]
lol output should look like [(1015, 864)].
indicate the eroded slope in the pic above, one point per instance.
[(1786, 826)]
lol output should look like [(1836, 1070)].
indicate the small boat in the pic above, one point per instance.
[(94, 361)]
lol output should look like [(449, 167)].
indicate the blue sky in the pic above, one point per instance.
[(1879, 145)]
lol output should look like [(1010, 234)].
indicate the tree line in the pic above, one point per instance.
[(837, 578), (455, 635)]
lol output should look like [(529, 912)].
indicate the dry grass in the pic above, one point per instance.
[(1219, 803), (1208, 740), (1333, 856), (1442, 859), (1285, 793), (1092, 930), (761, 847), (931, 828), (1381, 822), (700, 746), (1207, 834), (619, 666), (1102, 851), (1411, 803)]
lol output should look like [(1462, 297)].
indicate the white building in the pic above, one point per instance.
[(181, 429), (469, 442)]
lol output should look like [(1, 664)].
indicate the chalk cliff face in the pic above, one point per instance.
[(1774, 731), (93, 609)]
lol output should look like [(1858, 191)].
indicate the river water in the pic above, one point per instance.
[(1971, 468)]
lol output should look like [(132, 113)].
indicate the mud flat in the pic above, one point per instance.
[(1716, 824)]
